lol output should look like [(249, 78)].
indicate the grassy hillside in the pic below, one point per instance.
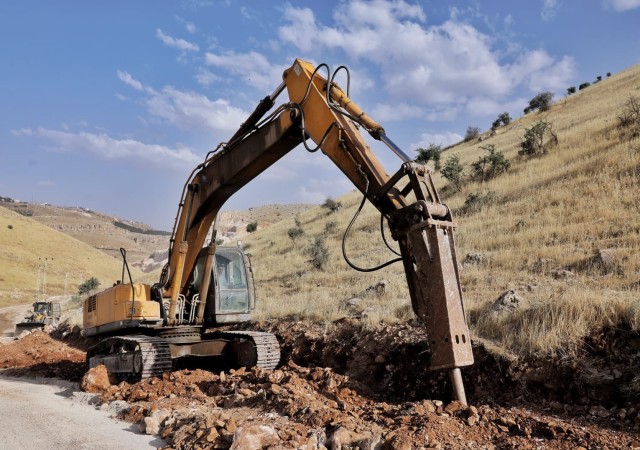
[(561, 230), (25, 245)]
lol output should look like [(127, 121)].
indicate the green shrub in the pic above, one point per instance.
[(474, 202), (491, 164), (571, 90), (331, 205), (251, 227), (88, 286), (330, 227), (538, 139), (433, 152), (453, 170), (319, 253), (295, 233)]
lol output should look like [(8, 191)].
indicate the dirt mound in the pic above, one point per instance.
[(39, 354), (342, 385)]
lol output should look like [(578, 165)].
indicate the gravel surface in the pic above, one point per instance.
[(44, 414)]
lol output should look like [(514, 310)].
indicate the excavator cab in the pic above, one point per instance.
[(231, 296)]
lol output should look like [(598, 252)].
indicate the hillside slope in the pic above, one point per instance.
[(26, 244), (561, 230)]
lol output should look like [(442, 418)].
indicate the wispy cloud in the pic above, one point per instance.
[(253, 68), (622, 5), (187, 110), (445, 138), (178, 43), (189, 26), (549, 10), (105, 147)]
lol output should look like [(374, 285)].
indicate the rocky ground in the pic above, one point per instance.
[(343, 386)]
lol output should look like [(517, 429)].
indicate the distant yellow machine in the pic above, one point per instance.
[(203, 287), (44, 313)]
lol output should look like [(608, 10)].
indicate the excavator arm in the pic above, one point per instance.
[(320, 111)]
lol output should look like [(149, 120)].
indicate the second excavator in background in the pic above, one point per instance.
[(146, 329)]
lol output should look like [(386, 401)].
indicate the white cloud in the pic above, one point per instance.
[(188, 110), (189, 26), (193, 111), (180, 44), (106, 147), (318, 190), (444, 139), (205, 77), (253, 67), (127, 79), (449, 63), (622, 5), (391, 113)]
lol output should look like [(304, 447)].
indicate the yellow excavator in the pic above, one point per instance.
[(147, 329)]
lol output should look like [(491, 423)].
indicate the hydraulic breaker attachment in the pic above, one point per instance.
[(424, 231)]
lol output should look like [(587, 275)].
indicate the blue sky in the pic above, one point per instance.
[(109, 105)]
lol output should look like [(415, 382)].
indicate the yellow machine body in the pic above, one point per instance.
[(114, 309)]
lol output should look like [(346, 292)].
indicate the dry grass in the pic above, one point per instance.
[(562, 207), (24, 241)]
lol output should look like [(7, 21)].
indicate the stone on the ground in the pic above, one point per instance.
[(96, 380)]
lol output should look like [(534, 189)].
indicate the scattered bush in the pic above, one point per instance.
[(453, 170), (571, 90), (319, 253), (219, 241), (541, 102), (629, 118), (471, 134), (608, 74), (10, 227), (331, 205), (584, 86), (475, 202), (538, 139), (503, 119), (88, 286), (433, 152), (251, 227), (598, 79), (491, 164), (295, 233), (330, 227)]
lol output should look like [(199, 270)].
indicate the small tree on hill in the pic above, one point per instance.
[(503, 119), (88, 286), (472, 133), (541, 102), (251, 227), (433, 152), (331, 205), (571, 90), (452, 171)]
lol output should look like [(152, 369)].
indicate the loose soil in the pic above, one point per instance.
[(344, 386)]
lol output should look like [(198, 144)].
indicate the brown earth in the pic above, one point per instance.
[(343, 386)]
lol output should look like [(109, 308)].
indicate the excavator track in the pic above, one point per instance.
[(265, 347), (132, 356)]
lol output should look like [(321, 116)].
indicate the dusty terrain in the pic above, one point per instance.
[(343, 386)]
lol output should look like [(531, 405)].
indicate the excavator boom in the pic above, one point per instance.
[(321, 116), (321, 111)]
